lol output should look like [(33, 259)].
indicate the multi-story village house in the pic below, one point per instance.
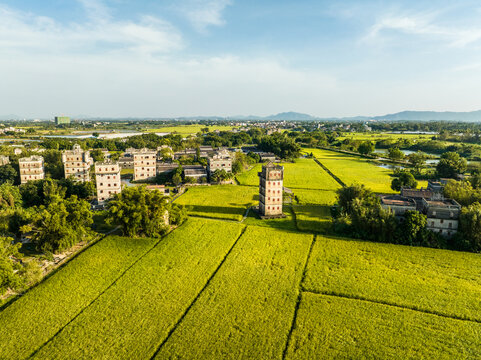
[(77, 163), (31, 168), (107, 177), (145, 164)]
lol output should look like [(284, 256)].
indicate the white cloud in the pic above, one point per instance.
[(25, 33), (424, 25), (204, 13)]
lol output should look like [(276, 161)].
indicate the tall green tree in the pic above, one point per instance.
[(61, 224), (417, 160), (450, 165), (405, 179), (139, 212), (8, 174), (395, 154), (470, 226), (366, 148)]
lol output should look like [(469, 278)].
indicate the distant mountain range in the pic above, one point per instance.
[(471, 116)]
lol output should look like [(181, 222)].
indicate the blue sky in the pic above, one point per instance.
[(231, 57)]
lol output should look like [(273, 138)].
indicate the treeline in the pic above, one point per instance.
[(359, 214)]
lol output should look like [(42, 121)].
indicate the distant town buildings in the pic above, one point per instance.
[(77, 163), (31, 168), (271, 187), (107, 177), (144, 164), (62, 120)]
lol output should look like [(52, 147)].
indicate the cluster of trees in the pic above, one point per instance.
[(141, 212), (404, 179), (360, 215), (50, 214), (281, 145)]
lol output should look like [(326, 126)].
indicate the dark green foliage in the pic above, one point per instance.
[(417, 160), (8, 266), (348, 194), (450, 165), (366, 148), (53, 164), (139, 212), (470, 226), (281, 145), (395, 154), (10, 197), (8, 174), (61, 224), (360, 215), (97, 155), (177, 214), (462, 192), (221, 175), (404, 179)]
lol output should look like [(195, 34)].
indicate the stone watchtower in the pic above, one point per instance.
[(271, 180)]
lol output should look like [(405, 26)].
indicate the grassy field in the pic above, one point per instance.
[(319, 197), (313, 218), (189, 129), (219, 201), (247, 310), (303, 174), (336, 328), (439, 281), (355, 169), (131, 319), (37, 316)]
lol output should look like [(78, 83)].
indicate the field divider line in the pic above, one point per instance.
[(330, 172), (299, 297), (387, 303), (95, 299), (182, 317)]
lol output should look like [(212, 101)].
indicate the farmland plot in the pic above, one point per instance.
[(353, 169), (247, 309), (219, 201), (438, 281), (133, 317), (332, 327), (313, 218), (35, 317), (302, 174)]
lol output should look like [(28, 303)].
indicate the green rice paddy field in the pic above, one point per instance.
[(213, 289), (224, 201), (243, 288), (352, 169)]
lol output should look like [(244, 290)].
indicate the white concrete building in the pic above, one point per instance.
[(442, 216), (107, 177), (76, 163), (220, 161), (145, 164), (4, 160), (31, 168)]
